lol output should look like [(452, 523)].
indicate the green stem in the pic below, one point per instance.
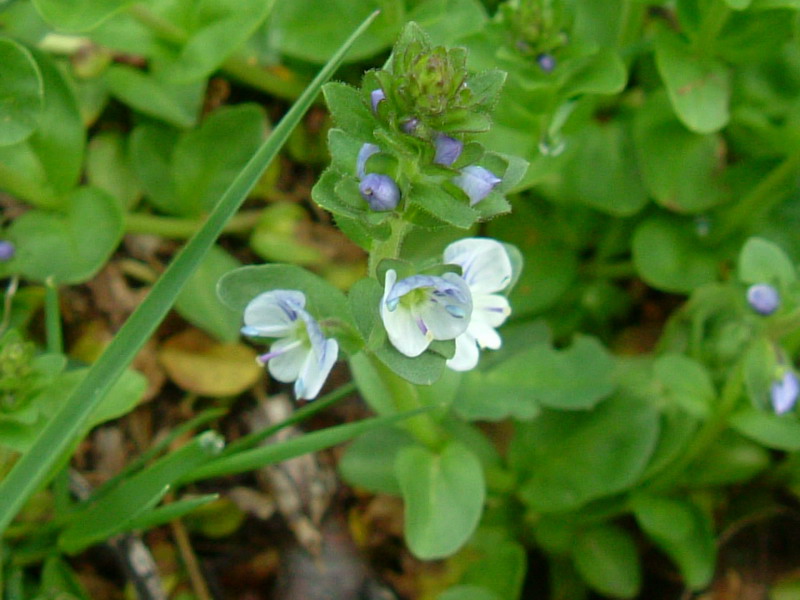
[(769, 192), (708, 433), (184, 228), (405, 398), (52, 318), (389, 248)]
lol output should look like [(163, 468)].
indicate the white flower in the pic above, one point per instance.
[(423, 308), (486, 269), (302, 354)]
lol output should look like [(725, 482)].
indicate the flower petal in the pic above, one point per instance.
[(485, 264), (491, 309), (402, 327), (287, 359), (466, 355), (273, 314), (366, 151), (315, 370), (476, 182), (449, 309)]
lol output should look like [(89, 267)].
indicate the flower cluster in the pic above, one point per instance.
[(301, 354), (466, 308)]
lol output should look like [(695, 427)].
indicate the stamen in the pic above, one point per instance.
[(272, 354), (392, 304)]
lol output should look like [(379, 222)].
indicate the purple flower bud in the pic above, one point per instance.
[(376, 97), (366, 151), (380, 192), (447, 150), (763, 298), (476, 182), (7, 250), (546, 62), (784, 393), (410, 125)]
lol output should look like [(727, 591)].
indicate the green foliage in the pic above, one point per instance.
[(443, 493)]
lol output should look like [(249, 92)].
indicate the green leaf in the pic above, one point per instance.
[(424, 369), (114, 512), (21, 93), (49, 161), (468, 592), (699, 88), (500, 563), (78, 15), (680, 169), (443, 494), (761, 261), (292, 32), (237, 288), (606, 557), (32, 469), (519, 383), (565, 459), (108, 167), (731, 459), (437, 202), (69, 246), (169, 512), (446, 21), (364, 299), (600, 73), (369, 461), (60, 581), (198, 302), (687, 383), (780, 432), (603, 171), (206, 160), (215, 29), (670, 258), (175, 103), (349, 112), (738, 4), (683, 532)]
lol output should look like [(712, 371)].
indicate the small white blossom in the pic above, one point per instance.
[(486, 269), (302, 353), (422, 308)]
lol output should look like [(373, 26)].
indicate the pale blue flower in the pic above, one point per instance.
[(784, 392), (422, 308), (448, 150), (486, 269), (546, 62), (763, 298), (302, 353), (364, 153), (476, 182), (376, 97), (380, 191), (7, 250)]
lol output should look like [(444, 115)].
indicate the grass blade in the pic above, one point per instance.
[(34, 467)]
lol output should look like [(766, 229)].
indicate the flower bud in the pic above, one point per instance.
[(447, 150), (7, 250), (366, 151), (380, 192), (376, 97), (546, 62), (476, 182), (763, 298), (410, 126), (784, 392)]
